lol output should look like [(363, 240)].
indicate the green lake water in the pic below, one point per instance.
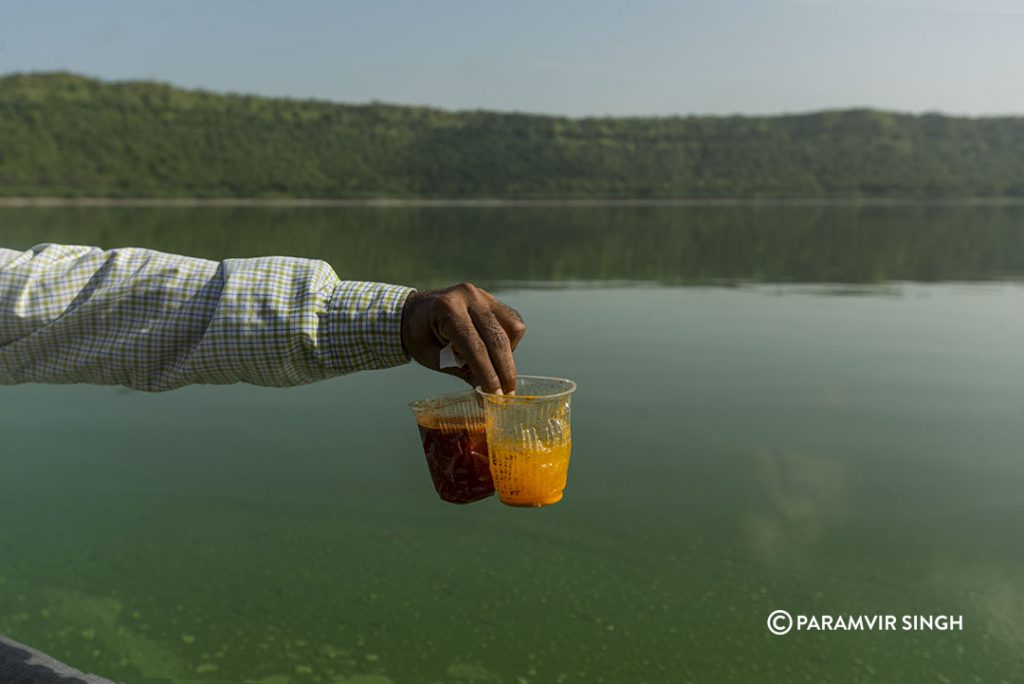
[(812, 409)]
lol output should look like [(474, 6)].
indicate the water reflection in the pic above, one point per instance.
[(804, 496), (556, 245)]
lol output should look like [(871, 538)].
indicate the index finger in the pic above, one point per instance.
[(470, 346), (499, 347)]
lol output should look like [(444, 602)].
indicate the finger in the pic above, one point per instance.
[(467, 342), (511, 321), (498, 347)]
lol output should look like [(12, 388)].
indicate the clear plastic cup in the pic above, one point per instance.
[(452, 433), (529, 440)]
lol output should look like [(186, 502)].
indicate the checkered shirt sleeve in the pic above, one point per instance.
[(156, 321)]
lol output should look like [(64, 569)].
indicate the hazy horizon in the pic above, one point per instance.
[(569, 58)]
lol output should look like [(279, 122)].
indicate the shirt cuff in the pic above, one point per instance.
[(364, 326)]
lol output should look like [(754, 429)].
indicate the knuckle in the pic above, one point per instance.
[(498, 335), (471, 341), (446, 304)]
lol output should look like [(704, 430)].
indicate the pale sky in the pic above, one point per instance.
[(576, 57)]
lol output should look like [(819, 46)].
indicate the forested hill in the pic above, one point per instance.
[(66, 135)]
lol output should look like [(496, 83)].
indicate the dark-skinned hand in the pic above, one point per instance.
[(482, 331)]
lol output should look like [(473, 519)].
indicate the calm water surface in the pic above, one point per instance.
[(818, 410)]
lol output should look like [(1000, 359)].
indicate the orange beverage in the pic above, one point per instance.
[(529, 441), (526, 476)]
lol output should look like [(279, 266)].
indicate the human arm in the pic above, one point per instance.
[(157, 321)]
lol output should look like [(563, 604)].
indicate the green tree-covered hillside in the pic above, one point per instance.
[(66, 135)]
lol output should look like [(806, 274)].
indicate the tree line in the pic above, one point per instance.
[(68, 135)]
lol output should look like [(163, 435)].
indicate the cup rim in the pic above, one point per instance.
[(513, 397), (448, 397)]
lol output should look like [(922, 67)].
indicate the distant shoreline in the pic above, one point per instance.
[(149, 144), (15, 202)]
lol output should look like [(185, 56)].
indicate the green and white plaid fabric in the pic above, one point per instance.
[(156, 321)]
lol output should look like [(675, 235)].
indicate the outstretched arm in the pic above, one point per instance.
[(156, 321)]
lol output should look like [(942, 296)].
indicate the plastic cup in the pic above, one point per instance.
[(529, 440), (452, 432)]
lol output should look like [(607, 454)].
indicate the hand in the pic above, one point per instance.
[(482, 331)]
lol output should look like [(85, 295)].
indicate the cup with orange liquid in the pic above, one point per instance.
[(529, 440)]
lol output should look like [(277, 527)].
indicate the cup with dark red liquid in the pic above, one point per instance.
[(455, 444)]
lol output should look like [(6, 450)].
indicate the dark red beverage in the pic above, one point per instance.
[(458, 461)]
